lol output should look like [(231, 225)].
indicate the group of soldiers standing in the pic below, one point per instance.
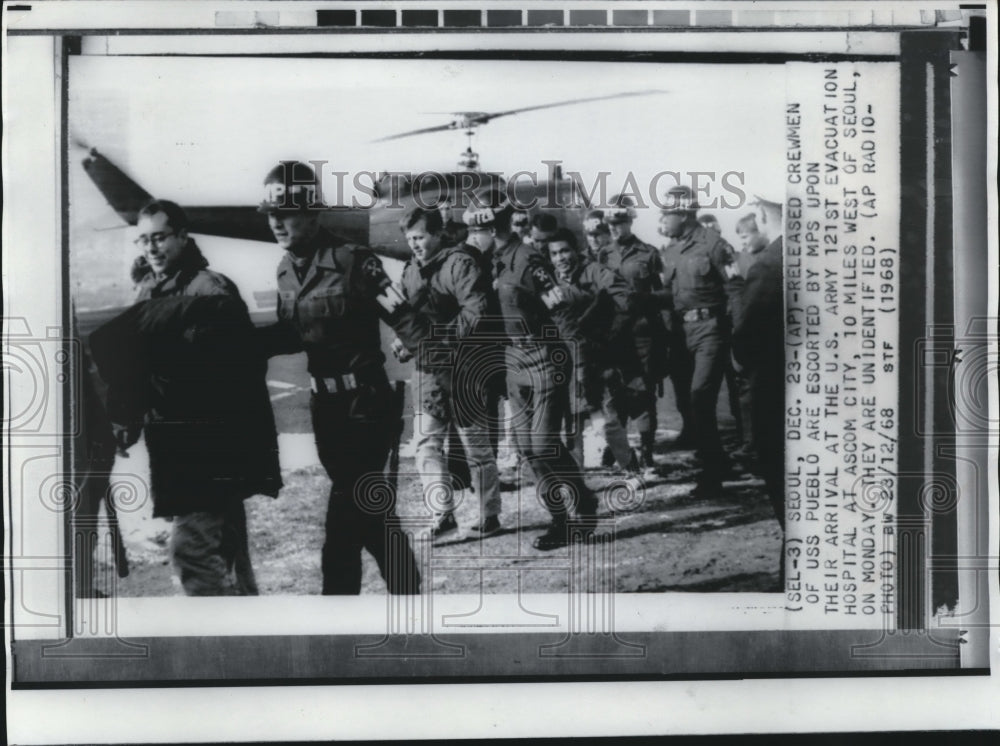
[(502, 306)]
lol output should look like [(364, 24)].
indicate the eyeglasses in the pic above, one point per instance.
[(519, 223), (156, 239)]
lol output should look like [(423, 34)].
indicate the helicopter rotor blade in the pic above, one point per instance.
[(569, 103), (475, 119), (424, 130)]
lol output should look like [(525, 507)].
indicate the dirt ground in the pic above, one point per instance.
[(664, 538)]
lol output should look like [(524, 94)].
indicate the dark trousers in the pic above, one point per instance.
[(733, 383), (537, 401), (353, 432), (641, 405), (767, 388), (702, 349), (680, 379)]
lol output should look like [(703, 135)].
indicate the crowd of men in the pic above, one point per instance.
[(512, 325)]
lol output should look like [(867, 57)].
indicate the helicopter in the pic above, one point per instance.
[(393, 194)]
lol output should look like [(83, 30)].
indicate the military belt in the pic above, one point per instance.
[(334, 384), (700, 314), (525, 343)]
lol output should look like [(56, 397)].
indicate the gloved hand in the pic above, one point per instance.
[(553, 298), (399, 351)]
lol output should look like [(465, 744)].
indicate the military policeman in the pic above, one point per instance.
[(535, 361), (701, 275), (639, 264), (331, 295), (708, 220), (597, 234), (444, 283), (592, 306)]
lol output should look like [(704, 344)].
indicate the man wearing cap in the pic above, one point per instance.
[(708, 220), (704, 284), (597, 234), (331, 295), (759, 346), (639, 264), (445, 284), (536, 362)]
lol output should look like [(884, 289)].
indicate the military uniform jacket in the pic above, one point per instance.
[(597, 312), (450, 291), (700, 271), (328, 314), (522, 275), (639, 264)]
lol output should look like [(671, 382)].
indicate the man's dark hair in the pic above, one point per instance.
[(432, 220), (564, 235), (176, 218), (544, 222), (747, 224)]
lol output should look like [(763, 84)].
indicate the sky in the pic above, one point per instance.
[(205, 131)]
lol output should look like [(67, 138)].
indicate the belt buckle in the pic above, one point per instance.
[(697, 314), (334, 384)]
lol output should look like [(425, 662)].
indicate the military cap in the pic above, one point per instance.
[(622, 209), (679, 199), (486, 207), (291, 186)]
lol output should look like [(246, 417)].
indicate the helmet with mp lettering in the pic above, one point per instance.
[(489, 208), (291, 186), (621, 210), (679, 199)]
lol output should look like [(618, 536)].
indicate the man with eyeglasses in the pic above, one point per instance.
[(180, 366)]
